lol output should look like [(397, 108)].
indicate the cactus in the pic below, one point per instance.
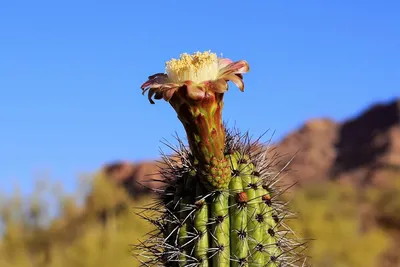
[(220, 205)]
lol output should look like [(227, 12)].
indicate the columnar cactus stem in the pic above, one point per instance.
[(185, 228), (220, 229), (201, 229), (254, 230), (238, 213), (218, 208), (269, 226)]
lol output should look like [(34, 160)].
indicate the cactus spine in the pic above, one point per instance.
[(220, 205)]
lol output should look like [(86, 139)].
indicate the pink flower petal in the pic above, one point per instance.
[(223, 62), (219, 86), (168, 90), (159, 86), (155, 81), (236, 80), (196, 93), (168, 94), (150, 94), (193, 91), (234, 68), (168, 86)]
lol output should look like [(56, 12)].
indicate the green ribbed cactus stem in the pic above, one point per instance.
[(188, 185), (238, 214), (269, 227), (200, 227), (220, 229), (246, 169), (240, 226)]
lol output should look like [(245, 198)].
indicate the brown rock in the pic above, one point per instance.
[(138, 179), (369, 145), (312, 146), (364, 150)]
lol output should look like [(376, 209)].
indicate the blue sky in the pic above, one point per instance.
[(70, 73)]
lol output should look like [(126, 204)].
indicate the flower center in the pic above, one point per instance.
[(198, 67)]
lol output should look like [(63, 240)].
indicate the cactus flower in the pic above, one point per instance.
[(194, 85), (199, 74)]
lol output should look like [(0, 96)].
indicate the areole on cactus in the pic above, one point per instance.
[(220, 205)]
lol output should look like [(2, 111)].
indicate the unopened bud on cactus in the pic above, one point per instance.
[(220, 205)]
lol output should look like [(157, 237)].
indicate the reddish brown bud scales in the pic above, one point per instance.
[(266, 198), (199, 203), (242, 197)]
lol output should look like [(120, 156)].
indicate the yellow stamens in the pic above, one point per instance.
[(197, 67)]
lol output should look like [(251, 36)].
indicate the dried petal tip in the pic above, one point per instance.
[(199, 71)]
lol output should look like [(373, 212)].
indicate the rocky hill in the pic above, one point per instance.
[(363, 150)]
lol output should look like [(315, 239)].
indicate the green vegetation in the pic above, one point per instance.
[(347, 228), (97, 235), (330, 214)]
